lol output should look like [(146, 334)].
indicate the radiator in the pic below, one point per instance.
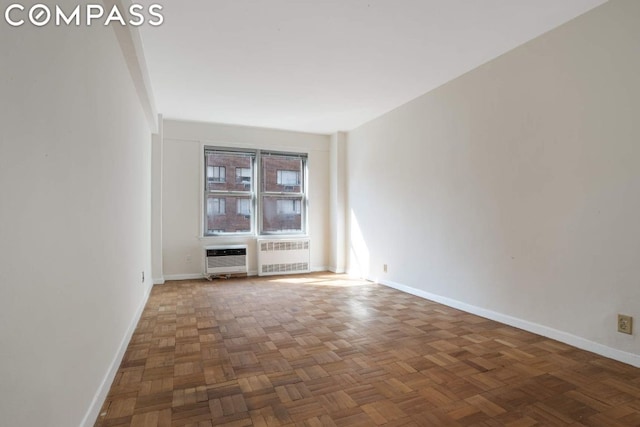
[(283, 256), (225, 260)]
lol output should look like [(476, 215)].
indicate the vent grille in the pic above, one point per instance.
[(226, 261), (220, 260), (284, 246), (296, 267)]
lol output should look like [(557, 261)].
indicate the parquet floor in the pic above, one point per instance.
[(322, 350)]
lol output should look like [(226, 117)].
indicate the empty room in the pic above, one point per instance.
[(320, 213)]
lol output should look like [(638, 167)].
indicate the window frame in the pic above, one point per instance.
[(256, 192), (223, 194), (302, 195)]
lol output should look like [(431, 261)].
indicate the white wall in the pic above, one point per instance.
[(183, 256), (338, 202), (74, 220), (513, 190), (156, 205)]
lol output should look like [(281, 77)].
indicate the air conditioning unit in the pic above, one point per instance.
[(282, 256), (225, 260)]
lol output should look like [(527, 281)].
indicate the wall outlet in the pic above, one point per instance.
[(384, 267), (143, 277), (625, 324)]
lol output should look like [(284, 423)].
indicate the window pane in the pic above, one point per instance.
[(281, 214), (228, 214), (219, 163), (282, 174)]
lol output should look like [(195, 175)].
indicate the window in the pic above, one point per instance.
[(230, 194), (275, 204), (288, 178), (216, 173), (243, 175), (244, 207), (216, 206), (282, 194), (288, 206)]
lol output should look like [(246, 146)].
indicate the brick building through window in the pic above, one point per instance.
[(233, 195)]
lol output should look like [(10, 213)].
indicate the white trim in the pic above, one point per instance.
[(159, 281), (337, 270), (320, 269), (92, 413), (545, 331)]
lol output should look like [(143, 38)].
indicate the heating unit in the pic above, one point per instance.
[(283, 256)]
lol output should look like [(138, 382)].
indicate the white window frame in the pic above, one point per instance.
[(301, 195), (256, 192), (248, 192)]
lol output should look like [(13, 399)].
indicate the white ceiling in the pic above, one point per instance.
[(327, 65)]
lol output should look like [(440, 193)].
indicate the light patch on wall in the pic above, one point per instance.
[(358, 249)]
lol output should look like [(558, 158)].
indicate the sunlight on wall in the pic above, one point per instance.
[(358, 250)]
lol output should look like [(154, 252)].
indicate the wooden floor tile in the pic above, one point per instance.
[(324, 350)]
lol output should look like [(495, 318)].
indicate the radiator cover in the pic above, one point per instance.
[(283, 256)]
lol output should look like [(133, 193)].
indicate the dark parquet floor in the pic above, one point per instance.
[(323, 350)]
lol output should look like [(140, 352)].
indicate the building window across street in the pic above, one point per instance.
[(216, 174)]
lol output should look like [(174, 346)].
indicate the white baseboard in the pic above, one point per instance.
[(98, 400), (195, 276), (158, 281), (337, 270), (545, 331)]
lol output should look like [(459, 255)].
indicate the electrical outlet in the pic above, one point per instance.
[(384, 267), (625, 324), (143, 277)]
